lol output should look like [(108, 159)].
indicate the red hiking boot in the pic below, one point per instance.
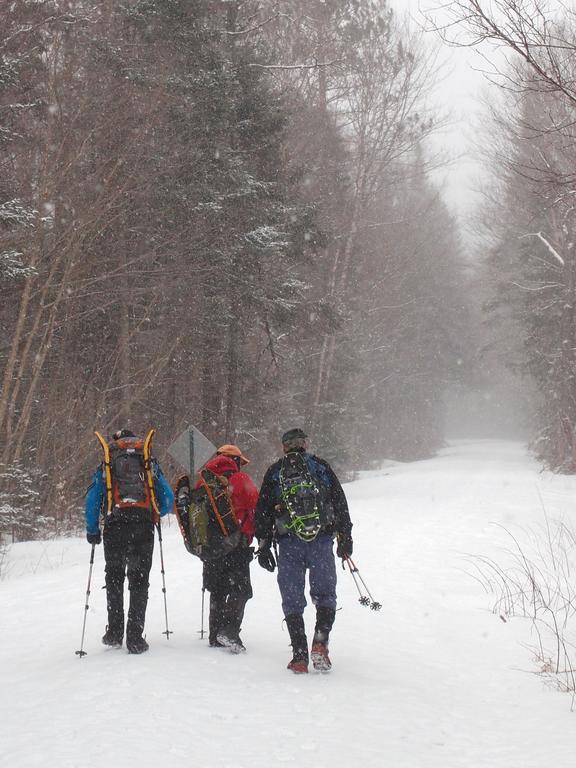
[(320, 659), (299, 663)]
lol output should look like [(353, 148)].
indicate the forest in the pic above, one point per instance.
[(223, 213)]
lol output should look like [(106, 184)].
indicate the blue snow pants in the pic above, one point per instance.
[(294, 558)]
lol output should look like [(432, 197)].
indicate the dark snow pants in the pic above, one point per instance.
[(128, 549), (228, 581), (295, 557)]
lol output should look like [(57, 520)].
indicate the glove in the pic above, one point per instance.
[(182, 494), (182, 501), (94, 538), (265, 557), (344, 548)]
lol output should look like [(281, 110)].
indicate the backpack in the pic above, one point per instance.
[(301, 499), (128, 477), (206, 516)]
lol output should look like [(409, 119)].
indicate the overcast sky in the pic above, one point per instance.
[(458, 92)]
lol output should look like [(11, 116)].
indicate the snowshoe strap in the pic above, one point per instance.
[(149, 476), (213, 503)]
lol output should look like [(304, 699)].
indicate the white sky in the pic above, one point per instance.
[(457, 94)]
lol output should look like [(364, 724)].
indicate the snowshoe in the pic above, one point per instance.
[(320, 659)]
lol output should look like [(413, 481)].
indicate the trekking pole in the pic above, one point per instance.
[(167, 631), (82, 652), (202, 614), (364, 600)]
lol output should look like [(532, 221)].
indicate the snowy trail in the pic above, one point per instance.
[(433, 680)]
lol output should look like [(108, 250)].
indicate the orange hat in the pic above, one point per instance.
[(232, 450)]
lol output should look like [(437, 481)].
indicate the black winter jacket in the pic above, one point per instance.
[(269, 501)]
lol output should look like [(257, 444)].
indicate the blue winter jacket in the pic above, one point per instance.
[(96, 493)]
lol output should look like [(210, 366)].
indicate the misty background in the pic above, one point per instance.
[(252, 215)]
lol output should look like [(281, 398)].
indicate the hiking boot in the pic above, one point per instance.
[(299, 663), (216, 619), (113, 639), (231, 641), (324, 622), (320, 659), (136, 645)]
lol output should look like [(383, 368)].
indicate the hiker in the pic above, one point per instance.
[(131, 493), (227, 577), (302, 506)]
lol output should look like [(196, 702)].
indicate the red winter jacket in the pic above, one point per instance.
[(244, 492)]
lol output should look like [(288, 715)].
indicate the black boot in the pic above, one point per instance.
[(115, 605), (295, 624), (229, 634), (324, 621), (135, 624), (216, 619), (136, 644), (113, 637)]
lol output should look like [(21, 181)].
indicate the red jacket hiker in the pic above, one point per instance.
[(228, 579), (244, 492)]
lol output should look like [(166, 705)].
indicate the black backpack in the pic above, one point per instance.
[(128, 477), (206, 517)]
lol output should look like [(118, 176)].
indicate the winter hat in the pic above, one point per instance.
[(122, 433), (234, 451), (294, 438)]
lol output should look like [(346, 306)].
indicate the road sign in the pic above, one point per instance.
[(192, 450)]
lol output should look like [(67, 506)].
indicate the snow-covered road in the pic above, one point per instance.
[(433, 680)]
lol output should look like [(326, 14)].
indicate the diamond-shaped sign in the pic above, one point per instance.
[(192, 450)]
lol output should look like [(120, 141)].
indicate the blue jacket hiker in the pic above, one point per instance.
[(302, 506), (129, 494)]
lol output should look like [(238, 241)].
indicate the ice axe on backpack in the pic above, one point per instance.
[(356, 575)]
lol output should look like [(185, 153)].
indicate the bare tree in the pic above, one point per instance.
[(533, 38), (532, 216)]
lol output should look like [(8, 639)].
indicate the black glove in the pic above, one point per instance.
[(94, 538), (265, 556), (344, 548)]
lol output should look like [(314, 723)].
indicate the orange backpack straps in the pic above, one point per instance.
[(213, 503), (148, 474), (218, 492), (107, 472)]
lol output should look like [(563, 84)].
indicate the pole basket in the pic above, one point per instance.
[(364, 599)]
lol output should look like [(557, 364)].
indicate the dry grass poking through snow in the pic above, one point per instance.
[(535, 578)]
